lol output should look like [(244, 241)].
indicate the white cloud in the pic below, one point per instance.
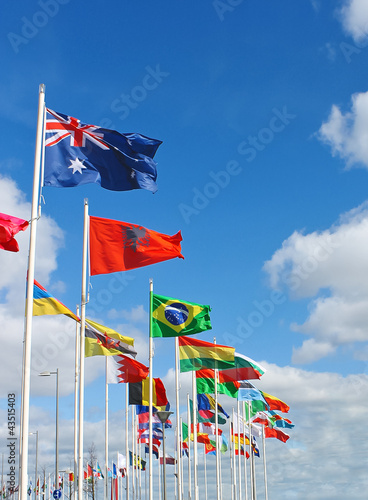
[(331, 264), (135, 315), (347, 134), (354, 16)]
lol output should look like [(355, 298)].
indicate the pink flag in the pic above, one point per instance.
[(9, 227)]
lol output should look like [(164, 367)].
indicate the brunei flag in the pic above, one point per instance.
[(103, 341), (173, 317), (139, 393), (196, 354), (45, 304)]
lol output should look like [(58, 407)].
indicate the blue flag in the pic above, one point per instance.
[(77, 154)]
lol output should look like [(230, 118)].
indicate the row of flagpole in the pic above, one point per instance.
[(79, 374)]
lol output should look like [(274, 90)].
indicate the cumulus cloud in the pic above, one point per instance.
[(347, 133), (354, 17), (331, 266)]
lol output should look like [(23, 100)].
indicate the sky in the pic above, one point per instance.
[(262, 108)]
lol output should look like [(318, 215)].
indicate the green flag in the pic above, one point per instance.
[(174, 318)]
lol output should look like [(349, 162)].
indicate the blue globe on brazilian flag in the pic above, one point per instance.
[(173, 317)]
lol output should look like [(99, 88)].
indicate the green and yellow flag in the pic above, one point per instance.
[(174, 318)]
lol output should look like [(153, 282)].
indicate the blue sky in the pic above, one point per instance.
[(263, 113)]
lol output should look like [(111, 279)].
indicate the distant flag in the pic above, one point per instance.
[(9, 227), (119, 246), (121, 369), (276, 433), (154, 450), (77, 154), (136, 461), (122, 464), (139, 393), (45, 304), (71, 477), (254, 395), (207, 415), (169, 460), (207, 402), (244, 368), (184, 449), (173, 317), (139, 409), (102, 341), (210, 449), (196, 354), (275, 403), (99, 471), (225, 384)]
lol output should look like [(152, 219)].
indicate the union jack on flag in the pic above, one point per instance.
[(77, 153)]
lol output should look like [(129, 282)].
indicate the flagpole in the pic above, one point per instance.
[(126, 438), (264, 460), (251, 454), (234, 461), (195, 448), (106, 428), (239, 448), (150, 356), (216, 438), (178, 434), (231, 457), (245, 457), (189, 454), (76, 379), (81, 350), (27, 341), (182, 461), (205, 470), (133, 455)]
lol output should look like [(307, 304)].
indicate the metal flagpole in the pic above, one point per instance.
[(127, 439), (159, 478), (205, 471), (234, 461), (150, 356), (81, 351), (189, 454), (182, 461), (251, 454), (245, 457), (195, 448), (231, 464), (264, 460), (239, 449), (106, 428), (76, 379), (178, 434), (216, 438), (27, 341), (133, 455)]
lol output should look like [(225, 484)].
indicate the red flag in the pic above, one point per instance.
[(276, 433), (121, 369), (9, 227), (120, 246)]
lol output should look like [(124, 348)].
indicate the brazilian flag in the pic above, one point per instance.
[(174, 318)]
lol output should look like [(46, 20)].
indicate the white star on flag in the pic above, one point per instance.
[(76, 165)]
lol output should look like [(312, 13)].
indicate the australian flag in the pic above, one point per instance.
[(76, 153)]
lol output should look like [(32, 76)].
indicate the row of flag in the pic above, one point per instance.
[(76, 153)]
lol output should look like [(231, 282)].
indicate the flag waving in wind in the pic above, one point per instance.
[(119, 246), (77, 153), (172, 317), (9, 227)]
